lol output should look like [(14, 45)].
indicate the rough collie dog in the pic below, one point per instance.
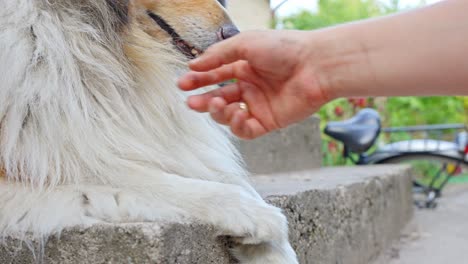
[(93, 129)]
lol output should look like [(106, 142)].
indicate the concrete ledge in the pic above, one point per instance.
[(348, 215), (342, 216), (124, 243)]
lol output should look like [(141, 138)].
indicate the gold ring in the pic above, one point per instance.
[(243, 106)]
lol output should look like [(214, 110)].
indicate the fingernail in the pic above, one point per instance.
[(180, 83), (191, 78), (188, 102), (195, 61)]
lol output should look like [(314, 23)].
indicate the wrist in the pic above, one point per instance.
[(339, 60)]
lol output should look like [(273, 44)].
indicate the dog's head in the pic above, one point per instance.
[(82, 80), (188, 26)]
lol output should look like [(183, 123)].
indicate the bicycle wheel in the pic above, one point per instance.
[(431, 174)]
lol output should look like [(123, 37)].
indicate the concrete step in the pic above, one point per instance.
[(345, 215), (294, 148), (348, 215)]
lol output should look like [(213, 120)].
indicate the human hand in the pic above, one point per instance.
[(284, 76), (276, 80)]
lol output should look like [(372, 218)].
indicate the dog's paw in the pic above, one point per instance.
[(268, 224), (265, 253), (252, 221)]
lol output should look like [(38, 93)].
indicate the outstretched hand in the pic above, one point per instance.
[(284, 76), (276, 85)]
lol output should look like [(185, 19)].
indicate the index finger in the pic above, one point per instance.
[(224, 52)]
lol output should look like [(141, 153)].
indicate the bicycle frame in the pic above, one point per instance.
[(450, 151), (441, 148)]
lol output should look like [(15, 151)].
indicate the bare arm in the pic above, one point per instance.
[(285, 76), (421, 52)]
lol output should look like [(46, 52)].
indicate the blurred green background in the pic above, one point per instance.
[(398, 111)]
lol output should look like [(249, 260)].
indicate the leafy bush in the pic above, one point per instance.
[(332, 12)]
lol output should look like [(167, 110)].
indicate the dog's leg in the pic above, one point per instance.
[(266, 253), (230, 208), (233, 210)]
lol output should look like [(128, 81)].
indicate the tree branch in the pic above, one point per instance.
[(278, 6)]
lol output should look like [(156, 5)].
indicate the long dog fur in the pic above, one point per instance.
[(93, 129)]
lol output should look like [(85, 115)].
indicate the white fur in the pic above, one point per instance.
[(88, 137)]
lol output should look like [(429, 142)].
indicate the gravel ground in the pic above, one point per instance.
[(436, 236)]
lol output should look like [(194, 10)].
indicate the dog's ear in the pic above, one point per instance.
[(121, 9)]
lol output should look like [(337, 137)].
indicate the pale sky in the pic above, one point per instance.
[(294, 5)]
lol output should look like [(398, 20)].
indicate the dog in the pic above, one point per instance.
[(94, 130)]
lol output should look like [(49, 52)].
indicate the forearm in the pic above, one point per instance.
[(422, 52)]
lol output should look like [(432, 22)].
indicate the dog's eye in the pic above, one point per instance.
[(163, 24)]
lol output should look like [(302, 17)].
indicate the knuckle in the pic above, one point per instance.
[(219, 118)]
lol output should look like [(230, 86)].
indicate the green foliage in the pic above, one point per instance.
[(332, 12), (398, 111), (404, 111)]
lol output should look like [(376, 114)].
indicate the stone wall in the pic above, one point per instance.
[(295, 148)]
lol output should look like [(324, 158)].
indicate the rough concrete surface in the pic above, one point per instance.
[(339, 216), (291, 149), (125, 243), (342, 216)]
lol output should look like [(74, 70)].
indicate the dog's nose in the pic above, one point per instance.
[(228, 31)]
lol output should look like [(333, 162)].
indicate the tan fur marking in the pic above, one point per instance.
[(207, 12)]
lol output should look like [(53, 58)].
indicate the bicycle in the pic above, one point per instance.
[(435, 161)]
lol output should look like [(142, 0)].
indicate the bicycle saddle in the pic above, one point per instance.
[(359, 133)]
